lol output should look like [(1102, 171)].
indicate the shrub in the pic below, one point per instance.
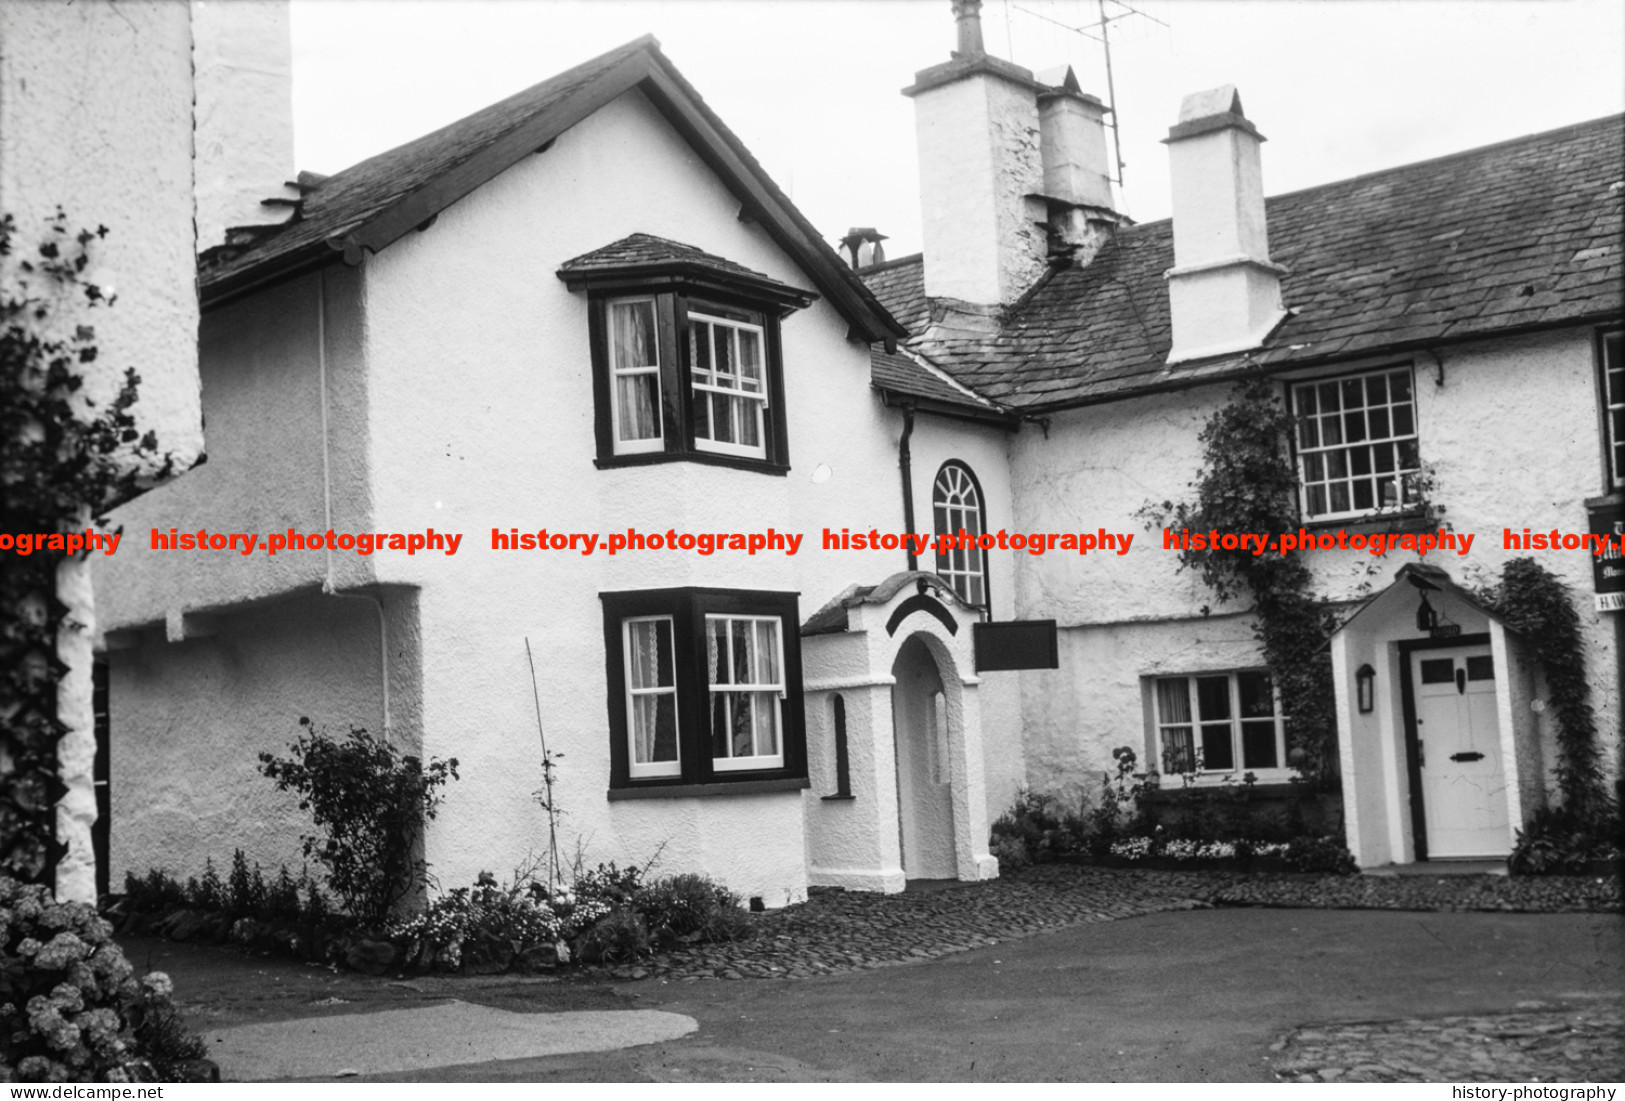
[(619, 937), (71, 1008), (1035, 829), (1325, 854), (371, 802), (689, 907), (1566, 841)]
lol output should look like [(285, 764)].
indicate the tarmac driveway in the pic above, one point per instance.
[(1196, 995)]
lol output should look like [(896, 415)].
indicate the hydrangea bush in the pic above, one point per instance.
[(71, 1006)]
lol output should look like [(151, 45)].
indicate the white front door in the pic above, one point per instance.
[(1464, 796)]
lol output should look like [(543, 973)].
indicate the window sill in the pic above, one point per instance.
[(839, 798), (1263, 789), (1398, 523), (651, 458), (702, 791)]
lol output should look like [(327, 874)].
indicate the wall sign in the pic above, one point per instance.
[(1017, 644), (1608, 568)]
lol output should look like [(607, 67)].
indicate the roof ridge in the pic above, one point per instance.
[(1409, 165)]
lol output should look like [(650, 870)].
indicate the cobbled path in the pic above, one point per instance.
[(1531, 1045), (837, 931)]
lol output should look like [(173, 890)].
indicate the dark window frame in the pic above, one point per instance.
[(1613, 466), (1299, 451), (674, 300), (688, 608), (986, 602)]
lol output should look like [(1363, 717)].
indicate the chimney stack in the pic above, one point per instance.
[(976, 121), (242, 61), (1077, 176), (1224, 293)]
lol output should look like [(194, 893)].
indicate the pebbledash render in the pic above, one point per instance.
[(586, 309)]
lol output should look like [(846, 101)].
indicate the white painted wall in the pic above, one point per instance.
[(1126, 618), (96, 118), (482, 417), (190, 719)]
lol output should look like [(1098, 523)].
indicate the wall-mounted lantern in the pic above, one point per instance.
[(1365, 683), (1426, 617)]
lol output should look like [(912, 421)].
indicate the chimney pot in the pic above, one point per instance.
[(968, 18)]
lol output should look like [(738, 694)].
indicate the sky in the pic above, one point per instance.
[(1339, 87)]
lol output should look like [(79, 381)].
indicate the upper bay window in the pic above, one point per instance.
[(705, 688), (687, 363), (1357, 444)]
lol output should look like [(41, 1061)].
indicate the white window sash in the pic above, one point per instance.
[(617, 372), (1404, 477), (736, 391), (635, 769), (1613, 394), (1161, 727), (756, 761)]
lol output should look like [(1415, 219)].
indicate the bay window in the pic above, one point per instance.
[(704, 690)]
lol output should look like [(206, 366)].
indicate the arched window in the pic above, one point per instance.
[(957, 507)]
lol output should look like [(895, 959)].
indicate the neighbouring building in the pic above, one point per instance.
[(158, 123), (586, 309)]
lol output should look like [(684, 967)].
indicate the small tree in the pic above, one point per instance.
[(371, 801)]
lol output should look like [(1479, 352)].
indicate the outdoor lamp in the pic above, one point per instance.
[(1426, 617), (1365, 680)]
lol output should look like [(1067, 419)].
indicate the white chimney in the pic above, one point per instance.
[(1224, 293), (976, 120), (1077, 174), (242, 58)]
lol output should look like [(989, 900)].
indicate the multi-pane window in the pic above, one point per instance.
[(729, 385), (1613, 398), (1218, 722), (746, 685), (1357, 446), (651, 696), (704, 688), (634, 364), (957, 506)]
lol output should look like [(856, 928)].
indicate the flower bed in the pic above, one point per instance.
[(606, 915)]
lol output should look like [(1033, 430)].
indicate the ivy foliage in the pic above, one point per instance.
[(371, 801), (1247, 484), (1535, 604), (63, 459)]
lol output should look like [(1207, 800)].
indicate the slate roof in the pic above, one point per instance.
[(900, 284), (370, 205), (903, 375), (1520, 235), (643, 254)]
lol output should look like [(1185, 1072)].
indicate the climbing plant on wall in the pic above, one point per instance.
[(63, 457), (1534, 603), (1247, 484)]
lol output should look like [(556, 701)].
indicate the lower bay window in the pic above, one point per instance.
[(1217, 724), (704, 689)]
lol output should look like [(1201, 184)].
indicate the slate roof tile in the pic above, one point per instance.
[(1438, 249)]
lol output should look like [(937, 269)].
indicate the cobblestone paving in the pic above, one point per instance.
[(1529, 1045), (836, 931)]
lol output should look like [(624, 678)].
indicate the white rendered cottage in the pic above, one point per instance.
[(521, 322), (1455, 321)]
